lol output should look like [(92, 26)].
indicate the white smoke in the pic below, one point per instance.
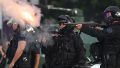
[(45, 36), (24, 13), (21, 11), (41, 35)]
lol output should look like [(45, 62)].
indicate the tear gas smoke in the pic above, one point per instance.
[(45, 36), (21, 11), (25, 13), (41, 35)]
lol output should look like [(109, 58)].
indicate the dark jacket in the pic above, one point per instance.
[(110, 41), (110, 36), (21, 62), (68, 50)]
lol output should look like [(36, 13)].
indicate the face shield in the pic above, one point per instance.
[(108, 17)]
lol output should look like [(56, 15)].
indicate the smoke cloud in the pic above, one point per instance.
[(21, 11), (41, 35), (24, 13)]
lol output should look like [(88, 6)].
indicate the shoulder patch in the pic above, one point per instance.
[(109, 30)]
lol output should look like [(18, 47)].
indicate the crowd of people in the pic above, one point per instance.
[(68, 50)]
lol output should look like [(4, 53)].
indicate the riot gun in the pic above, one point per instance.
[(89, 24)]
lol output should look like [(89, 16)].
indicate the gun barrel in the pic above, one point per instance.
[(81, 23), (90, 24)]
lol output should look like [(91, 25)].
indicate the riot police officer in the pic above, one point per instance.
[(68, 50), (109, 37)]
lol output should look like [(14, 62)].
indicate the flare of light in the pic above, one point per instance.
[(21, 12), (27, 16)]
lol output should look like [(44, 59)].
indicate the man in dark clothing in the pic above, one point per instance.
[(68, 50), (16, 54), (24, 50), (109, 37)]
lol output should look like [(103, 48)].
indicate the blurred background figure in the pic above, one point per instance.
[(6, 35), (2, 57)]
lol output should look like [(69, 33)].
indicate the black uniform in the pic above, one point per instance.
[(24, 60), (110, 40), (67, 51)]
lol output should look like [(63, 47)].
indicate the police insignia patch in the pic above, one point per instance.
[(109, 30)]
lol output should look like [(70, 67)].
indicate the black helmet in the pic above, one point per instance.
[(65, 19), (114, 14)]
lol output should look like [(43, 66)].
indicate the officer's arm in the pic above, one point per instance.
[(37, 60), (19, 51), (93, 32)]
